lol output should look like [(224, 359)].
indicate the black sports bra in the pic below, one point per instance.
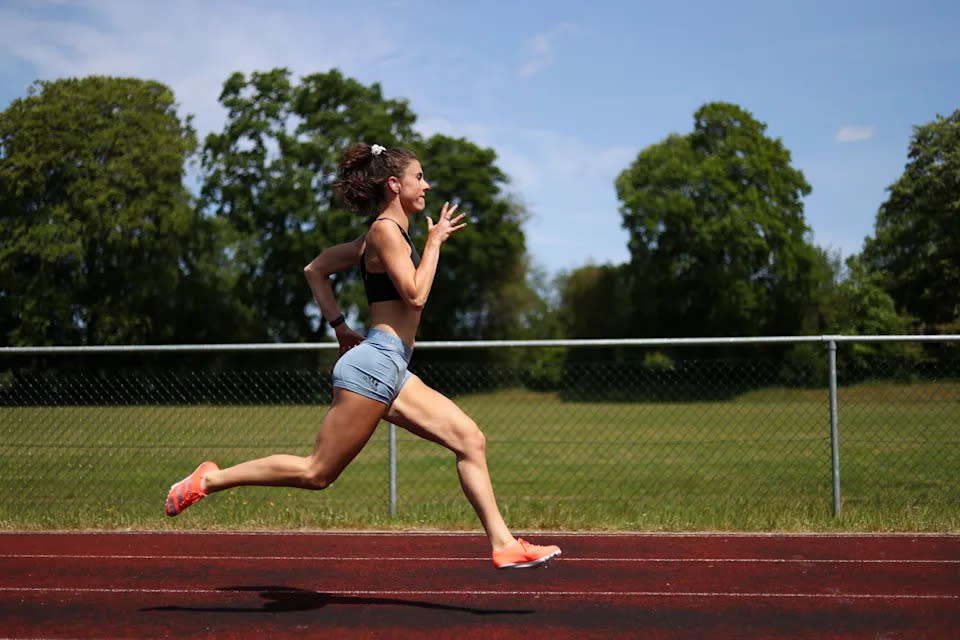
[(379, 286)]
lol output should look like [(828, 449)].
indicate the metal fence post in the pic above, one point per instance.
[(834, 429), (393, 468)]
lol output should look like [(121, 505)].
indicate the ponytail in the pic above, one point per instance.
[(363, 173)]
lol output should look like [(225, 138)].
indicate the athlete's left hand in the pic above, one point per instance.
[(446, 224)]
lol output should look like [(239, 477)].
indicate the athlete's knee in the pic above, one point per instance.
[(472, 441), (478, 441), (318, 477)]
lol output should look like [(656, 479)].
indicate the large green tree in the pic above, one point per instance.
[(481, 289), (718, 241), (98, 238), (916, 247), (270, 173)]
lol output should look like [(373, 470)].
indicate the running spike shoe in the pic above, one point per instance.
[(523, 555), (189, 490)]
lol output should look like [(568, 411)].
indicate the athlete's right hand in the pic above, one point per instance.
[(348, 338), (446, 223)]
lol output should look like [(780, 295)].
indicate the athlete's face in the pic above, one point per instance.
[(413, 188)]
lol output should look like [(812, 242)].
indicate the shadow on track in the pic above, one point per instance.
[(287, 599)]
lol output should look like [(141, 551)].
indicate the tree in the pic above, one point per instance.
[(596, 301), (97, 233), (270, 173), (718, 241), (481, 280), (851, 301), (858, 305), (916, 247)]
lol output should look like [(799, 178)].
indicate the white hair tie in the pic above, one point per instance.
[(377, 149)]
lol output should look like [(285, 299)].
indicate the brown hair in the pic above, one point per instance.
[(362, 176)]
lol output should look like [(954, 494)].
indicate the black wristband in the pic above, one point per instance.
[(336, 322)]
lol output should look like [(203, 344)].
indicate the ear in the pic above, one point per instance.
[(393, 184)]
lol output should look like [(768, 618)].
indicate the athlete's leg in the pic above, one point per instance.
[(431, 415), (345, 430)]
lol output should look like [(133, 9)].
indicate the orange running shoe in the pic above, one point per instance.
[(522, 554), (184, 493)]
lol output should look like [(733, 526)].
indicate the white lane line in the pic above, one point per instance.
[(578, 594), (249, 558), (709, 535)]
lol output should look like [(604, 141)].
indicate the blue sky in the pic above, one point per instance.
[(566, 93)]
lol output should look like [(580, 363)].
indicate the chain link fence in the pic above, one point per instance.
[(791, 433)]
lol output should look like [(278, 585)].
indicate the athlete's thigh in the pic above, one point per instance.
[(427, 413), (346, 428)]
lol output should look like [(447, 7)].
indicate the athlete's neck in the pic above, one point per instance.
[(396, 213)]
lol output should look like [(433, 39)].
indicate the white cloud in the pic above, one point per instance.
[(541, 55), (194, 47), (541, 50), (542, 159), (854, 133), (565, 182)]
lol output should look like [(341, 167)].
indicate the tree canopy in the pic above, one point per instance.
[(915, 251), (718, 241), (97, 227), (102, 243), (481, 280), (270, 173)]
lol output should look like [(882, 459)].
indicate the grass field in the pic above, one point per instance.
[(760, 461)]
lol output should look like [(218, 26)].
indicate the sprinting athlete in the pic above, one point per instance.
[(370, 379)]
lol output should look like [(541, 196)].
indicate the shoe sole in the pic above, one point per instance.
[(171, 506), (539, 562)]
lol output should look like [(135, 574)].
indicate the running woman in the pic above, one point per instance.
[(370, 379)]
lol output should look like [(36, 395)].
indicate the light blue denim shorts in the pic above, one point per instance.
[(376, 368)]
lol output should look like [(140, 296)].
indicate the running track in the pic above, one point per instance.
[(419, 585)]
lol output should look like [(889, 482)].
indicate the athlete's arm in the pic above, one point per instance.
[(336, 259), (413, 283)]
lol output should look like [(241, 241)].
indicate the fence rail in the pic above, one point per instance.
[(740, 432), (480, 344)]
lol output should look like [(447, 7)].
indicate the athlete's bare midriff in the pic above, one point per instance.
[(396, 317)]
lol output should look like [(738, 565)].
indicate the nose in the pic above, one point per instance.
[(426, 186)]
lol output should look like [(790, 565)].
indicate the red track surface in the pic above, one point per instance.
[(303, 585)]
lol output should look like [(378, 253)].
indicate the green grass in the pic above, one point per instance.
[(758, 462)]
